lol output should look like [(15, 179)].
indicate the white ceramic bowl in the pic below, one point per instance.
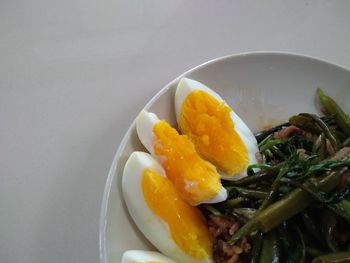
[(264, 88)]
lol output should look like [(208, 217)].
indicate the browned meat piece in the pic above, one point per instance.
[(287, 132), (309, 136), (341, 154), (221, 229)]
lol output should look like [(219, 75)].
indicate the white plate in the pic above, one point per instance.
[(264, 88)]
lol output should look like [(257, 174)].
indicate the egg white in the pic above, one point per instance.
[(145, 122), (185, 87), (153, 227), (142, 256)]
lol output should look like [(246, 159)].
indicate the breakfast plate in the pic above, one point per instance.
[(263, 88)]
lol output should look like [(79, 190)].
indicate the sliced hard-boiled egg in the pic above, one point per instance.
[(142, 256), (174, 227), (219, 135), (196, 180)]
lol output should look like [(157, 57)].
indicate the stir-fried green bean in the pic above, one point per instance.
[(212, 210), (328, 226), (339, 257), (293, 242), (248, 193), (342, 119), (311, 226), (270, 250), (320, 147), (342, 208), (233, 202), (248, 180), (274, 189), (285, 208), (257, 247), (299, 252), (246, 212), (288, 206), (314, 252)]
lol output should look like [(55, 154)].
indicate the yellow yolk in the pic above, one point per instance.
[(208, 123), (186, 224), (195, 179)]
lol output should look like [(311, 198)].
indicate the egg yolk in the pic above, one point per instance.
[(208, 123), (195, 179), (186, 224)]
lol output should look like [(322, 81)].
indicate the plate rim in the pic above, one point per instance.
[(114, 165)]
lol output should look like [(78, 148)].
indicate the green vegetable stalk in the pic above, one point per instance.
[(288, 206), (314, 252), (329, 223), (270, 251), (293, 203), (342, 119), (248, 180), (338, 257), (293, 243), (320, 147), (342, 209), (257, 247), (248, 193), (311, 226)]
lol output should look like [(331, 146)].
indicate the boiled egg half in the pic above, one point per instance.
[(174, 227), (218, 133), (196, 180)]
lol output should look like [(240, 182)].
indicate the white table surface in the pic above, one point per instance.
[(73, 75)]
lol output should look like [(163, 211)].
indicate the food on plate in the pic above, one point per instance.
[(141, 256), (218, 133), (174, 227), (296, 206), (284, 193), (196, 180)]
